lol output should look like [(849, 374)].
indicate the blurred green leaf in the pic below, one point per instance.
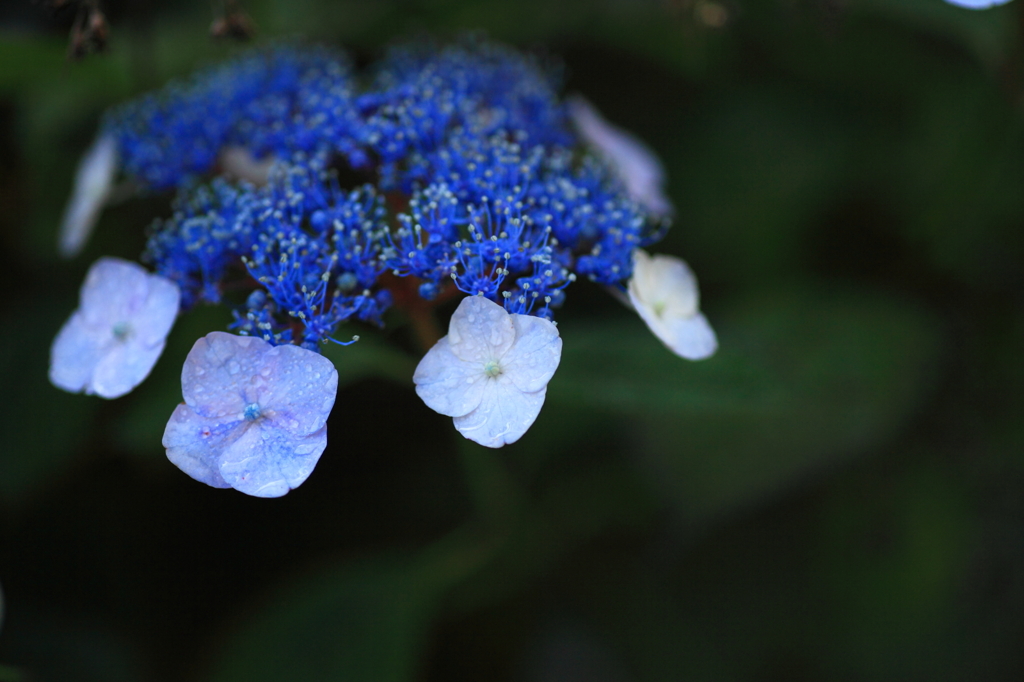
[(43, 426), (802, 379), (957, 174), (989, 35), (354, 622), (892, 556), (751, 169)]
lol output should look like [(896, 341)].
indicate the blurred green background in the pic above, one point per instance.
[(836, 495)]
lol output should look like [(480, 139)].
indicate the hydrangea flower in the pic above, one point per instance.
[(475, 183), (636, 166), (255, 415), (663, 291), (490, 372), (93, 181), (114, 338)]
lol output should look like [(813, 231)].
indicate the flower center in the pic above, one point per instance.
[(252, 412), (122, 330), (659, 307), (492, 369)]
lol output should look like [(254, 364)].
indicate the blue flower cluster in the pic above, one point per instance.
[(282, 102), (475, 182)]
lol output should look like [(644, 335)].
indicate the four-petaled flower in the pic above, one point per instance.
[(255, 415), (663, 291), (490, 372), (93, 181), (114, 338), (634, 164)]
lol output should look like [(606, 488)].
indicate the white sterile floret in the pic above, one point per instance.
[(491, 372), (93, 181), (111, 342), (977, 4), (663, 291), (255, 415), (635, 165)]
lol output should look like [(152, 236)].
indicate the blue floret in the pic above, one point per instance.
[(278, 102)]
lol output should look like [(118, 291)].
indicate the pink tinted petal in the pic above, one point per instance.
[(194, 443), (300, 389), (480, 330), (268, 462), (446, 384), (220, 373), (123, 367), (504, 415), (114, 290), (75, 353), (534, 357)]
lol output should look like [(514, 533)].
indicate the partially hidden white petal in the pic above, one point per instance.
[(447, 384), (238, 162), (636, 166), (504, 415), (93, 181)]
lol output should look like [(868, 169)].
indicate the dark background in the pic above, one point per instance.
[(836, 495)]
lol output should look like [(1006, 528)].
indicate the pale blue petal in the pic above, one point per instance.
[(977, 4), (447, 384), (533, 358), (75, 353), (268, 462), (302, 391), (504, 415), (223, 373), (294, 387), (123, 367), (480, 330), (113, 291), (193, 444), (152, 322)]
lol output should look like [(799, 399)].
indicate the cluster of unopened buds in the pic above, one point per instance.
[(473, 179)]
